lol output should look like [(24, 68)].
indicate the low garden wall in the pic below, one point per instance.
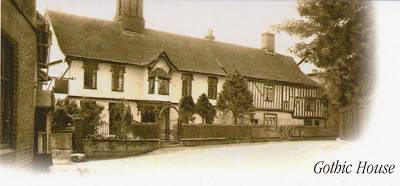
[(101, 148)]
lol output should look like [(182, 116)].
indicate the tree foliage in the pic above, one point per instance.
[(205, 109), (186, 109), (123, 118), (65, 113), (339, 35), (89, 117), (235, 96)]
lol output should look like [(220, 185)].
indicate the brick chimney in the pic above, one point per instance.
[(268, 42), (130, 15)]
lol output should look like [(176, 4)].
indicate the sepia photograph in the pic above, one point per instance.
[(210, 92)]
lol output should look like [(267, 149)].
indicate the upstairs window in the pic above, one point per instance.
[(269, 92), (163, 86), (90, 75), (152, 85), (212, 87), (118, 78), (309, 104), (187, 84)]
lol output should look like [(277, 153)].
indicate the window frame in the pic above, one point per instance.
[(90, 71), (309, 104), (312, 123), (187, 80), (161, 91), (146, 114), (152, 85), (117, 78), (212, 87), (269, 92), (271, 115)]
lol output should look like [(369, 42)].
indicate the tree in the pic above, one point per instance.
[(235, 96), (65, 113), (205, 109), (90, 117), (186, 109), (340, 35)]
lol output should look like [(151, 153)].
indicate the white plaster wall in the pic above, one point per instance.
[(133, 82), (156, 97), (284, 118), (199, 86), (57, 69), (55, 51)]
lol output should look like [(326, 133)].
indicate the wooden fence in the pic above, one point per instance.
[(352, 120), (235, 132)]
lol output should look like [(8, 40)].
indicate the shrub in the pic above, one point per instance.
[(186, 109), (65, 113), (235, 96), (204, 108)]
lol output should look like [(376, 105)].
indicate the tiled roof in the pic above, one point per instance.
[(102, 39)]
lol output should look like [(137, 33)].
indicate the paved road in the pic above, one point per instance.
[(273, 163)]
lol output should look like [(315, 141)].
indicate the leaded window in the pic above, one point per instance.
[(118, 78), (309, 104), (311, 122), (187, 84), (148, 116), (270, 119), (163, 86), (212, 87), (269, 92), (152, 85), (90, 75)]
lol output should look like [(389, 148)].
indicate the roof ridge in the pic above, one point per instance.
[(79, 16)]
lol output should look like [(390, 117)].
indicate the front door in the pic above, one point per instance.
[(165, 125)]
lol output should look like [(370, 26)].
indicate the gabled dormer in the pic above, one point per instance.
[(160, 71)]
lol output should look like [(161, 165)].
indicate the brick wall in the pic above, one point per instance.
[(19, 31)]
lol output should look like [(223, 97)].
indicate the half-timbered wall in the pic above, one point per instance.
[(302, 102)]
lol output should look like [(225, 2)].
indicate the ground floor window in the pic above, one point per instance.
[(311, 122), (148, 116), (270, 119)]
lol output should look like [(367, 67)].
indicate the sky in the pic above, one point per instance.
[(238, 22)]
